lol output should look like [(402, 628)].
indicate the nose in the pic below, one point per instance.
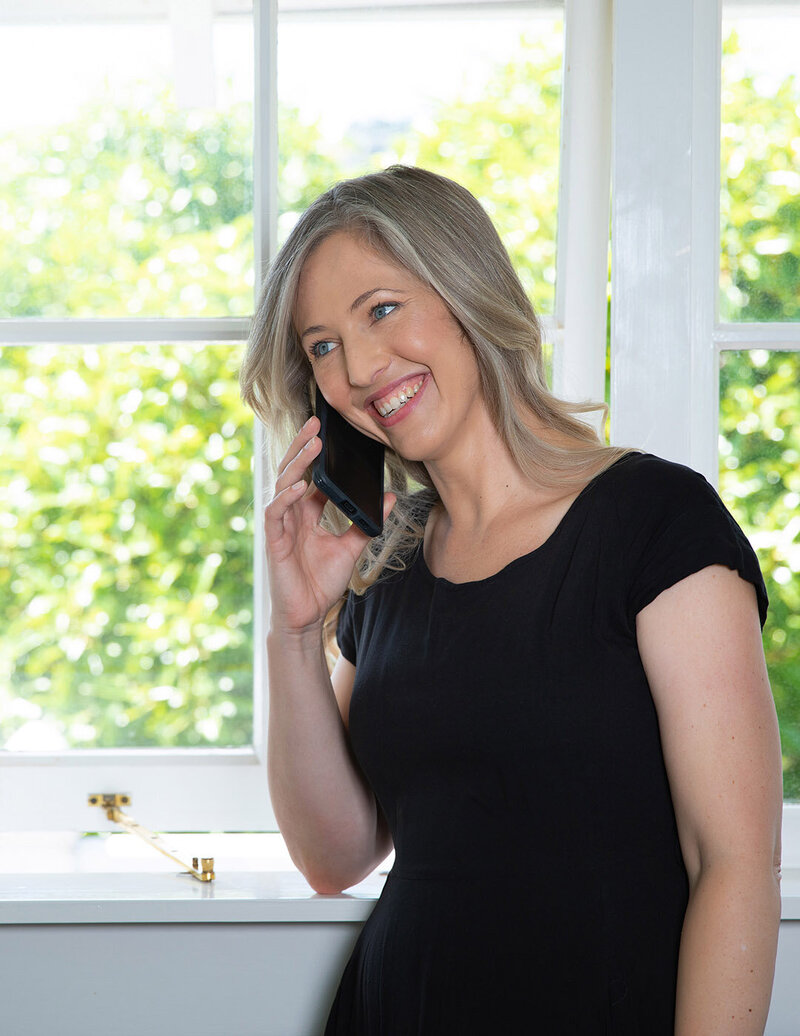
[(366, 360)]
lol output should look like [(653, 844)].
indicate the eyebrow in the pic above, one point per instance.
[(317, 328)]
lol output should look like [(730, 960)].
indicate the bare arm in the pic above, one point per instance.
[(701, 648), (326, 812)]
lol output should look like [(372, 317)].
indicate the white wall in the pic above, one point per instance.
[(213, 979)]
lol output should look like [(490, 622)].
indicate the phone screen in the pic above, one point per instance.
[(349, 470)]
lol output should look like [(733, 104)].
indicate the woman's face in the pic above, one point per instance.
[(385, 350)]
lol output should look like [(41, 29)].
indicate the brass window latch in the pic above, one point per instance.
[(202, 869)]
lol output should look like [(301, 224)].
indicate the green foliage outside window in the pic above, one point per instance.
[(125, 545), (760, 483), (760, 198), (760, 390), (138, 209), (504, 148)]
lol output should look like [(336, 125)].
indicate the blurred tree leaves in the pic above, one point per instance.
[(760, 483), (125, 546), (121, 214), (504, 149), (760, 389), (760, 198)]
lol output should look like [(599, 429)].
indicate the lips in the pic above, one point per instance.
[(394, 401), (398, 397), (393, 386)]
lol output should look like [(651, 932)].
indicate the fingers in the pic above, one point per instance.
[(308, 431), (296, 465), (276, 509)]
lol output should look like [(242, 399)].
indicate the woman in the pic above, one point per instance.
[(551, 697)]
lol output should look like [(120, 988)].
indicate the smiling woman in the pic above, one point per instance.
[(550, 668), (392, 355), (411, 229)]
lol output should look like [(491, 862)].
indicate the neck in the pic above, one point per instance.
[(478, 480)]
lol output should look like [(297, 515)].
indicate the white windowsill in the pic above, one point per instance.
[(62, 878)]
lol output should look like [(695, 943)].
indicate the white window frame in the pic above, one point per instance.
[(666, 337)]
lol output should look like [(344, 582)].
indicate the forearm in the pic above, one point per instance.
[(326, 812), (727, 953)]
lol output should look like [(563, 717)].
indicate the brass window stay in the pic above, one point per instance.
[(202, 869)]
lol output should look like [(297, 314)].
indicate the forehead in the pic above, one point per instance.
[(339, 269)]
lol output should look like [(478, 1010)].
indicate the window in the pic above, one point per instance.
[(141, 189), (759, 306), (704, 329), (126, 499), (149, 168)]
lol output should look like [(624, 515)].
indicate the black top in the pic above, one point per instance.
[(507, 728)]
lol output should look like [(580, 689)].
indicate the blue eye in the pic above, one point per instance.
[(320, 349), (379, 312)]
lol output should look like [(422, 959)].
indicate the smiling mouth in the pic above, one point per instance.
[(397, 399)]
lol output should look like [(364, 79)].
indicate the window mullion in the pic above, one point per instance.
[(705, 238), (92, 331), (583, 204), (265, 224), (757, 336), (652, 171)]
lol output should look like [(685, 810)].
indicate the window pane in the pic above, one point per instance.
[(472, 96), (760, 483), (760, 201), (126, 164), (126, 547)]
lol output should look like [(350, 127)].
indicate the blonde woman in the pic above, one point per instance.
[(551, 698)]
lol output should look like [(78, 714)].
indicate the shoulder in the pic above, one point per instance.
[(651, 480), (642, 492), (666, 522)]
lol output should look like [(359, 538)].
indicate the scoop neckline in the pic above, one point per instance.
[(441, 581)]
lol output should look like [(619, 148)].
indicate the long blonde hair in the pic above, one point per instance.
[(437, 231)]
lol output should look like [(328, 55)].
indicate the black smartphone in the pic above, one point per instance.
[(349, 469)]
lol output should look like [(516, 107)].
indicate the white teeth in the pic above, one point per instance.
[(394, 402)]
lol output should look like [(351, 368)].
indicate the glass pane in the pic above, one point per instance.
[(126, 165), (760, 201), (476, 97), (126, 547), (760, 483)]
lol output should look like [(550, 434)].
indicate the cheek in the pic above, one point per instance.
[(327, 373)]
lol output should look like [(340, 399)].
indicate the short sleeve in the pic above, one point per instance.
[(345, 630), (686, 527)]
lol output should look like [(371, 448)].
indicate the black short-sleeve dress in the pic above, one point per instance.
[(508, 731)]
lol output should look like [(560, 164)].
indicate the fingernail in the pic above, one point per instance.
[(298, 484)]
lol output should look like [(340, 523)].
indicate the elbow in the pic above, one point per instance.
[(325, 881), (324, 886), (328, 877), (332, 866), (747, 877)]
